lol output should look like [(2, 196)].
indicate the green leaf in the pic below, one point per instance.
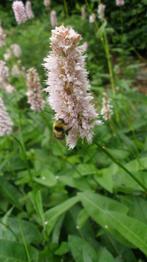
[(81, 250), (114, 219), (63, 249), (9, 192), (104, 255), (36, 198), (82, 218), (114, 177), (10, 230), (86, 169), (15, 252), (46, 178), (54, 213)]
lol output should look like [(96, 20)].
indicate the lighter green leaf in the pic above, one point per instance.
[(54, 213), (15, 252), (81, 250), (131, 229)]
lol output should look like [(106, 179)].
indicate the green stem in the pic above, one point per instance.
[(25, 245), (122, 166), (110, 68), (111, 72), (24, 154), (65, 8)]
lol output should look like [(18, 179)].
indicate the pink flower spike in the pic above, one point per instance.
[(35, 98), (29, 10), (47, 3), (2, 36), (101, 11), (68, 85), (107, 108), (120, 2), (19, 12), (5, 121), (53, 18)]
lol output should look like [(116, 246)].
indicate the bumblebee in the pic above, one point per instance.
[(60, 129)]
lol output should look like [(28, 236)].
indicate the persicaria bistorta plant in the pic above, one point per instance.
[(120, 2), (47, 3), (5, 120), (2, 36), (53, 18), (19, 12), (107, 108), (68, 85), (35, 98), (101, 11), (29, 11)]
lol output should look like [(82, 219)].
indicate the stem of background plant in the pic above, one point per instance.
[(21, 143), (108, 56), (122, 166), (111, 73), (65, 8), (25, 244), (24, 155)]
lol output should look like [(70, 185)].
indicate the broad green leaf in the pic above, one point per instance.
[(81, 250), (63, 249), (46, 178), (132, 229), (15, 252), (82, 218), (104, 178), (114, 177), (57, 230), (137, 207), (54, 213), (9, 192), (104, 255), (78, 183), (12, 227), (36, 198), (86, 169)]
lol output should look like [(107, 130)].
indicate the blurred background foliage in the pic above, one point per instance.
[(79, 205)]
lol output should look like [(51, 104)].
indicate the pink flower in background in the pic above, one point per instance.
[(13, 51), (15, 71), (47, 3), (8, 54), (35, 98), (84, 47), (101, 11), (5, 120), (4, 71), (68, 85), (29, 11), (8, 88), (4, 74), (107, 109), (2, 36), (92, 18), (53, 18), (16, 50), (120, 2), (19, 12)]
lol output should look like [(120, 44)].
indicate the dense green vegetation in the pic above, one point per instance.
[(88, 204)]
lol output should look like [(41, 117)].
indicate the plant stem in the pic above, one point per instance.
[(65, 8), (111, 73), (25, 244), (108, 56), (24, 155), (122, 166)]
